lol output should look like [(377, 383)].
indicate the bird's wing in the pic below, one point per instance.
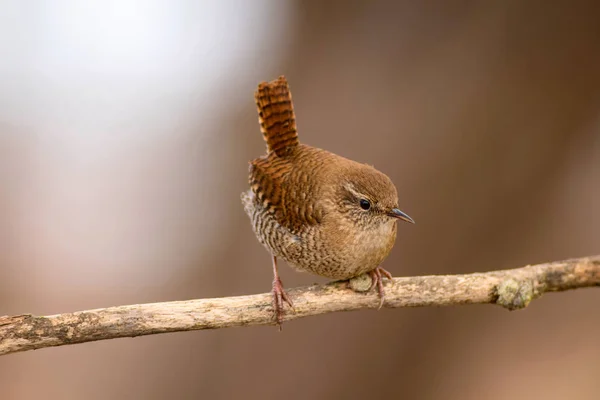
[(285, 192)]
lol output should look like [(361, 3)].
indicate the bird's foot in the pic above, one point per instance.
[(377, 279), (279, 297)]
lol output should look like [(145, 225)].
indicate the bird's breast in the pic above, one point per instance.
[(360, 249)]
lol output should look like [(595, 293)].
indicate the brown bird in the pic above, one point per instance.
[(320, 212)]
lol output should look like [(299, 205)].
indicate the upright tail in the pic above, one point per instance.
[(276, 116)]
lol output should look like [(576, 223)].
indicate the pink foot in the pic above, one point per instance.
[(377, 279), (279, 297)]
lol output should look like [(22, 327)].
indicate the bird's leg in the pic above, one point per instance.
[(279, 295), (377, 279)]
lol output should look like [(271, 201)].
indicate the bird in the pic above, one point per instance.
[(320, 212)]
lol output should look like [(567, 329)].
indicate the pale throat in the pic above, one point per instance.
[(375, 238)]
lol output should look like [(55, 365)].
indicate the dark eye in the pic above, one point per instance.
[(365, 204)]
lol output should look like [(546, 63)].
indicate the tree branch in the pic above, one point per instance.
[(512, 289)]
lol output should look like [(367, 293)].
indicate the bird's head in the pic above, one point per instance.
[(367, 197)]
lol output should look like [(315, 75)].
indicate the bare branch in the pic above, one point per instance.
[(512, 289)]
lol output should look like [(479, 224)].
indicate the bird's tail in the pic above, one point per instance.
[(276, 116)]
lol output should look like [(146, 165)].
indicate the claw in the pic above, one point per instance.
[(279, 296), (377, 279)]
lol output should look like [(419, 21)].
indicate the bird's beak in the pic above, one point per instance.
[(394, 212)]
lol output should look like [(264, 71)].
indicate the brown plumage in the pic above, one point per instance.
[(320, 212)]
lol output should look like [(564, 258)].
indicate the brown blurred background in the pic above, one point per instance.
[(125, 133)]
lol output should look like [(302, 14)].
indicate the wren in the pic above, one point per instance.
[(320, 212)]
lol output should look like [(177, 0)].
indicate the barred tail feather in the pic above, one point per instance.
[(276, 116)]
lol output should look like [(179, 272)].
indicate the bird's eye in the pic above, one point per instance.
[(365, 204)]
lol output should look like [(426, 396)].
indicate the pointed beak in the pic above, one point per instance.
[(395, 213)]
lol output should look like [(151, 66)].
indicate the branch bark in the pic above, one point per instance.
[(512, 289)]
